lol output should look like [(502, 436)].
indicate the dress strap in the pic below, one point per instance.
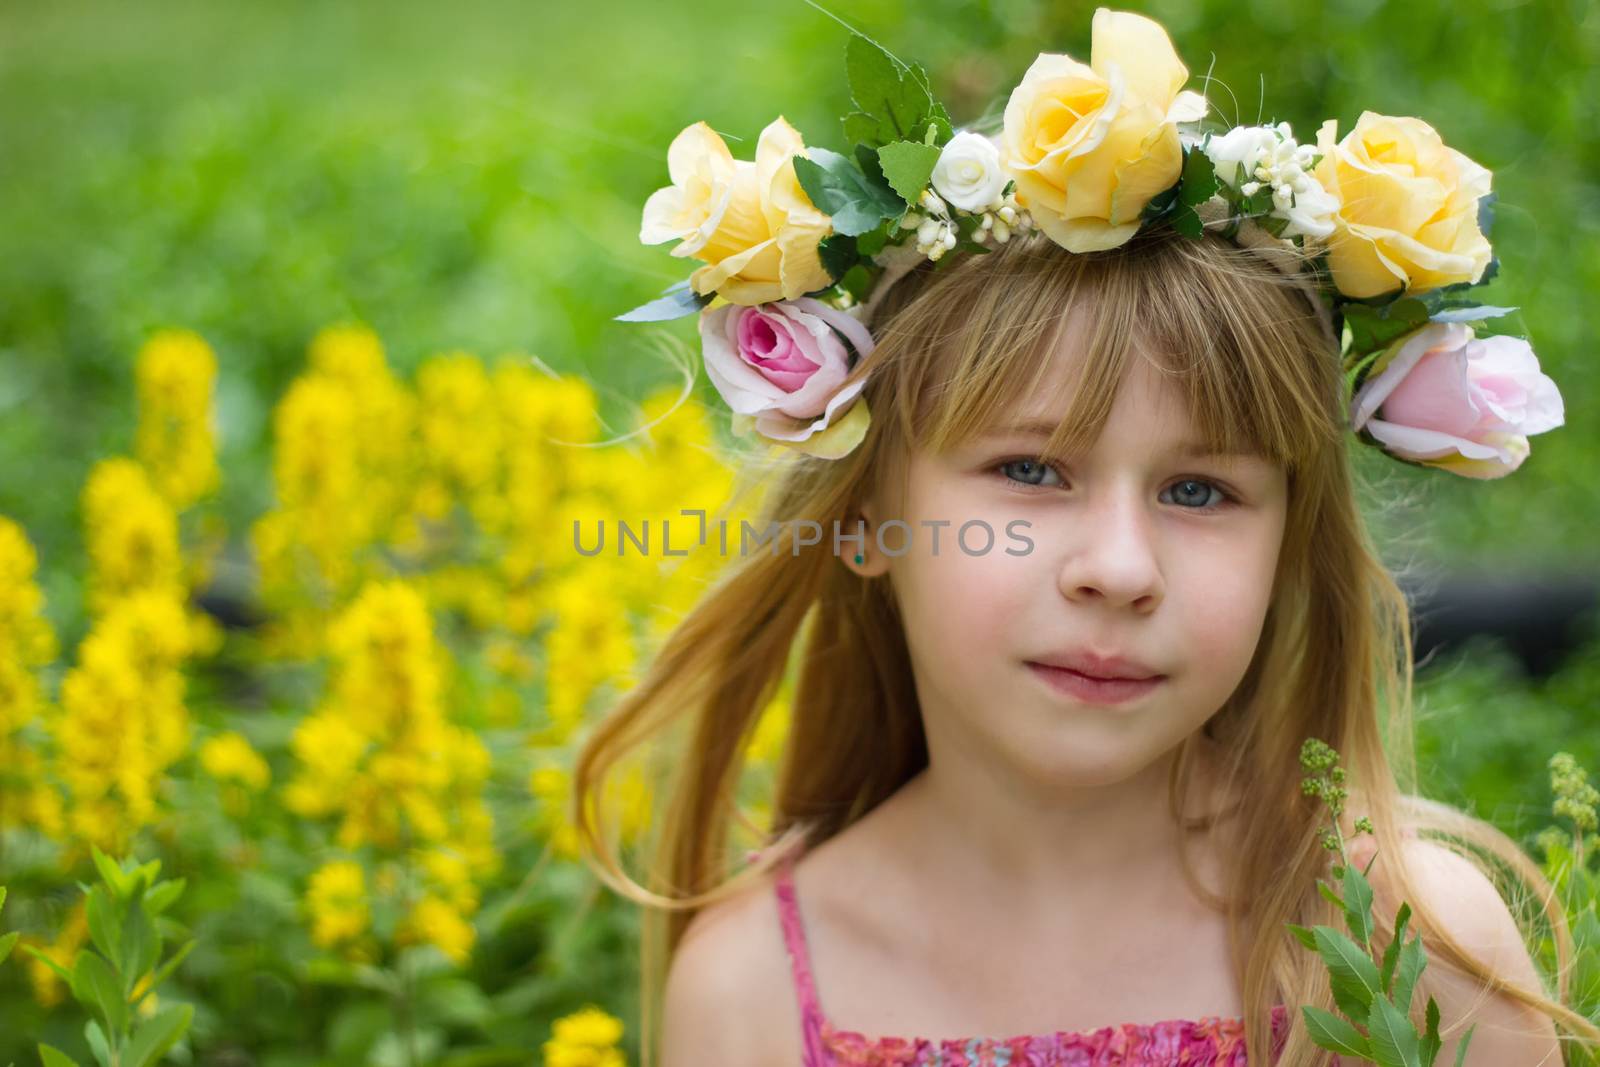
[(794, 937)]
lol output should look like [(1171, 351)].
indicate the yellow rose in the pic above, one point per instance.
[(751, 223), (1408, 213), (1090, 145)]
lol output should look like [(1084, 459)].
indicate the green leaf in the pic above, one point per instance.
[(2, 898), (1198, 181), (907, 167), (1187, 221), (1330, 894), (896, 101), (1331, 1032), (167, 968), (109, 871), (454, 1002), (158, 1034), (1392, 953), (838, 253), (1430, 1036), (141, 946), (54, 1057), (880, 89), (1473, 313), (1354, 976), (873, 241), (1305, 936), (1358, 905), (1394, 1037), (1466, 1038), (1412, 960), (860, 128), (95, 983), (98, 1043), (677, 302), (1377, 327), (160, 897), (1486, 212), (61, 972), (839, 189), (857, 281), (105, 923), (7, 943)]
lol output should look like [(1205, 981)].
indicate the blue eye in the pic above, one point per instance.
[(1187, 485), (1203, 494), (1031, 470)]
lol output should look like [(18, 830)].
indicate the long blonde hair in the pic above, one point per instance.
[(955, 346)]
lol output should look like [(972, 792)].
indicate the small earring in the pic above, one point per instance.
[(860, 558)]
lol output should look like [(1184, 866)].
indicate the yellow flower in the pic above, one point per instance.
[(337, 901), (48, 988), (229, 757), (26, 643), (552, 787), (1408, 216), (436, 922), (1089, 145), (176, 371), (751, 223), (132, 533), (122, 719), (460, 436), (586, 1038)]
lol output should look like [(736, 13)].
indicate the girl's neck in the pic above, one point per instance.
[(1034, 847)]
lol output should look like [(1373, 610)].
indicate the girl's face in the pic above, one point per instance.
[(1142, 549)]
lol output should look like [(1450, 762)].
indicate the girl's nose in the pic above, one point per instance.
[(1109, 552)]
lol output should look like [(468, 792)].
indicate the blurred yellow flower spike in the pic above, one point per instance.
[(176, 437), (586, 1038)]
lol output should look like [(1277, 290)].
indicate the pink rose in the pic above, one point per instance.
[(781, 367), (1444, 398)]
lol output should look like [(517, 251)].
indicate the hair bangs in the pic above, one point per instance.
[(1238, 340)]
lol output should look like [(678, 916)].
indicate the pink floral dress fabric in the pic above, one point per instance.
[(1207, 1042)]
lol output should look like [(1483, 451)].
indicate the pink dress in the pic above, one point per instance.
[(1207, 1042)]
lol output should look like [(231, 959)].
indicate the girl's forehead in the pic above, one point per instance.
[(1150, 418)]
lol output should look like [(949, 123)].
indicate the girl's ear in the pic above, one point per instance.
[(863, 555)]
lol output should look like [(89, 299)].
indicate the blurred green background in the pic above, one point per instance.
[(470, 175)]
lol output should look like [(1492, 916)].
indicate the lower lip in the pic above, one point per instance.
[(1095, 690)]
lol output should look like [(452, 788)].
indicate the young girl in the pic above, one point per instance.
[(1091, 572)]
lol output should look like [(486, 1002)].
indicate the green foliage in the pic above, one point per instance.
[(113, 978), (7, 941), (1568, 863), (1375, 998), (856, 201), (907, 166), (895, 100)]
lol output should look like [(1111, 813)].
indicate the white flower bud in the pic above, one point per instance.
[(910, 221), (1002, 232)]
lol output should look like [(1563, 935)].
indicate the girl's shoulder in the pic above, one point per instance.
[(728, 996)]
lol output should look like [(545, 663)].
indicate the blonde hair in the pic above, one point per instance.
[(956, 346)]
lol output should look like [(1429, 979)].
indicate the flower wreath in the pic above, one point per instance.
[(1383, 230)]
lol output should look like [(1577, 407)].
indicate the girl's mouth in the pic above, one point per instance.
[(1091, 690)]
